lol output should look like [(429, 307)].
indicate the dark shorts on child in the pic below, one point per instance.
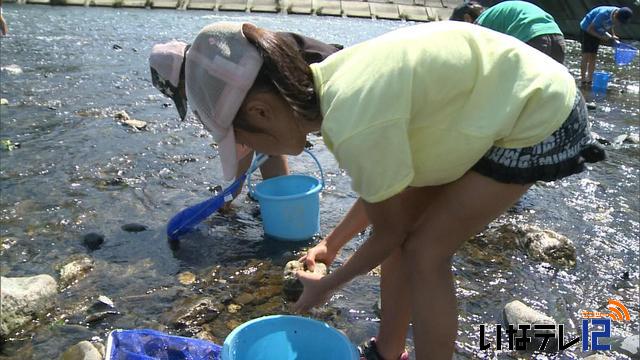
[(561, 154), (550, 44), (589, 42)]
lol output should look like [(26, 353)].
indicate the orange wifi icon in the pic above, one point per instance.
[(619, 312)]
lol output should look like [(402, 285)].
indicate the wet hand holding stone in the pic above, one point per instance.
[(291, 286)]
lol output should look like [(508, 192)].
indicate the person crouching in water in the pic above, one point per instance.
[(441, 128)]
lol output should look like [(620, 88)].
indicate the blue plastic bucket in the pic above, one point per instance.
[(286, 337), (290, 205), (600, 80), (625, 54)]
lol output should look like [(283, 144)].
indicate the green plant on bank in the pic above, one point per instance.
[(57, 2), (118, 3)]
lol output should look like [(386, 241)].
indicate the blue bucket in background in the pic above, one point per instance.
[(625, 54), (290, 205), (286, 337), (600, 81)]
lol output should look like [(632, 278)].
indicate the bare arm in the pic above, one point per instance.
[(592, 30), (390, 229), (354, 222)]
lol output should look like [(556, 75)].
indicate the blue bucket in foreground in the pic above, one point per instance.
[(625, 54), (286, 337), (290, 205), (600, 81)]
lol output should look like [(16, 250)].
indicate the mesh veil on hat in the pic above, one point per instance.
[(221, 66), (167, 66)]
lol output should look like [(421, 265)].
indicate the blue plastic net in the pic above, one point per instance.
[(154, 345), (624, 54)]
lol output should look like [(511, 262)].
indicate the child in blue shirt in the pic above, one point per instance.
[(596, 27)]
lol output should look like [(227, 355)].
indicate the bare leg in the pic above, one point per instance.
[(591, 65), (396, 307), (274, 166), (583, 67), (458, 211), (394, 285)]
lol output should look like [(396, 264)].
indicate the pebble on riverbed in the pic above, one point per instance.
[(125, 119), (84, 350), (75, 271), (134, 227), (93, 241), (291, 286)]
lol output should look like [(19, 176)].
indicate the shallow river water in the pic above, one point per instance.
[(67, 70)]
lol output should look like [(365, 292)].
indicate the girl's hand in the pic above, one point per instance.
[(316, 292), (320, 253)]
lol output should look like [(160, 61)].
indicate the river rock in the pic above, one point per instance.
[(547, 246), (133, 227), (75, 271), (136, 124), (93, 241), (4, 101), (84, 350), (12, 69), (24, 298), (125, 119), (516, 313), (591, 106), (597, 357), (193, 312), (629, 346), (626, 139), (291, 286), (101, 308), (600, 139)]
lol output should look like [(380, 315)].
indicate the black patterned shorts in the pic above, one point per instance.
[(561, 154)]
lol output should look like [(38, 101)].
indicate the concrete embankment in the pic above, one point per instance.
[(379, 9), (566, 13)]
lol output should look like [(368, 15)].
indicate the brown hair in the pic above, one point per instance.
[(471, 8), (284, 71)]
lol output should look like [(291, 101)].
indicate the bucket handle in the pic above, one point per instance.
[(251, 188)]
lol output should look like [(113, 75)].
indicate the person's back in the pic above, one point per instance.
[(519, 19), (468, 85), (600, 17)]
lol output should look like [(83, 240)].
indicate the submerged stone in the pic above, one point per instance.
[(101, 308), (192, 312), (133, 227), (75, 271), (93, 241), (84, 350)]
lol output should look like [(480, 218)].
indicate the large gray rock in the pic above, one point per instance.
[(84, 350), (597, 357), (517, 313), (547, 246), (23, 298)]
